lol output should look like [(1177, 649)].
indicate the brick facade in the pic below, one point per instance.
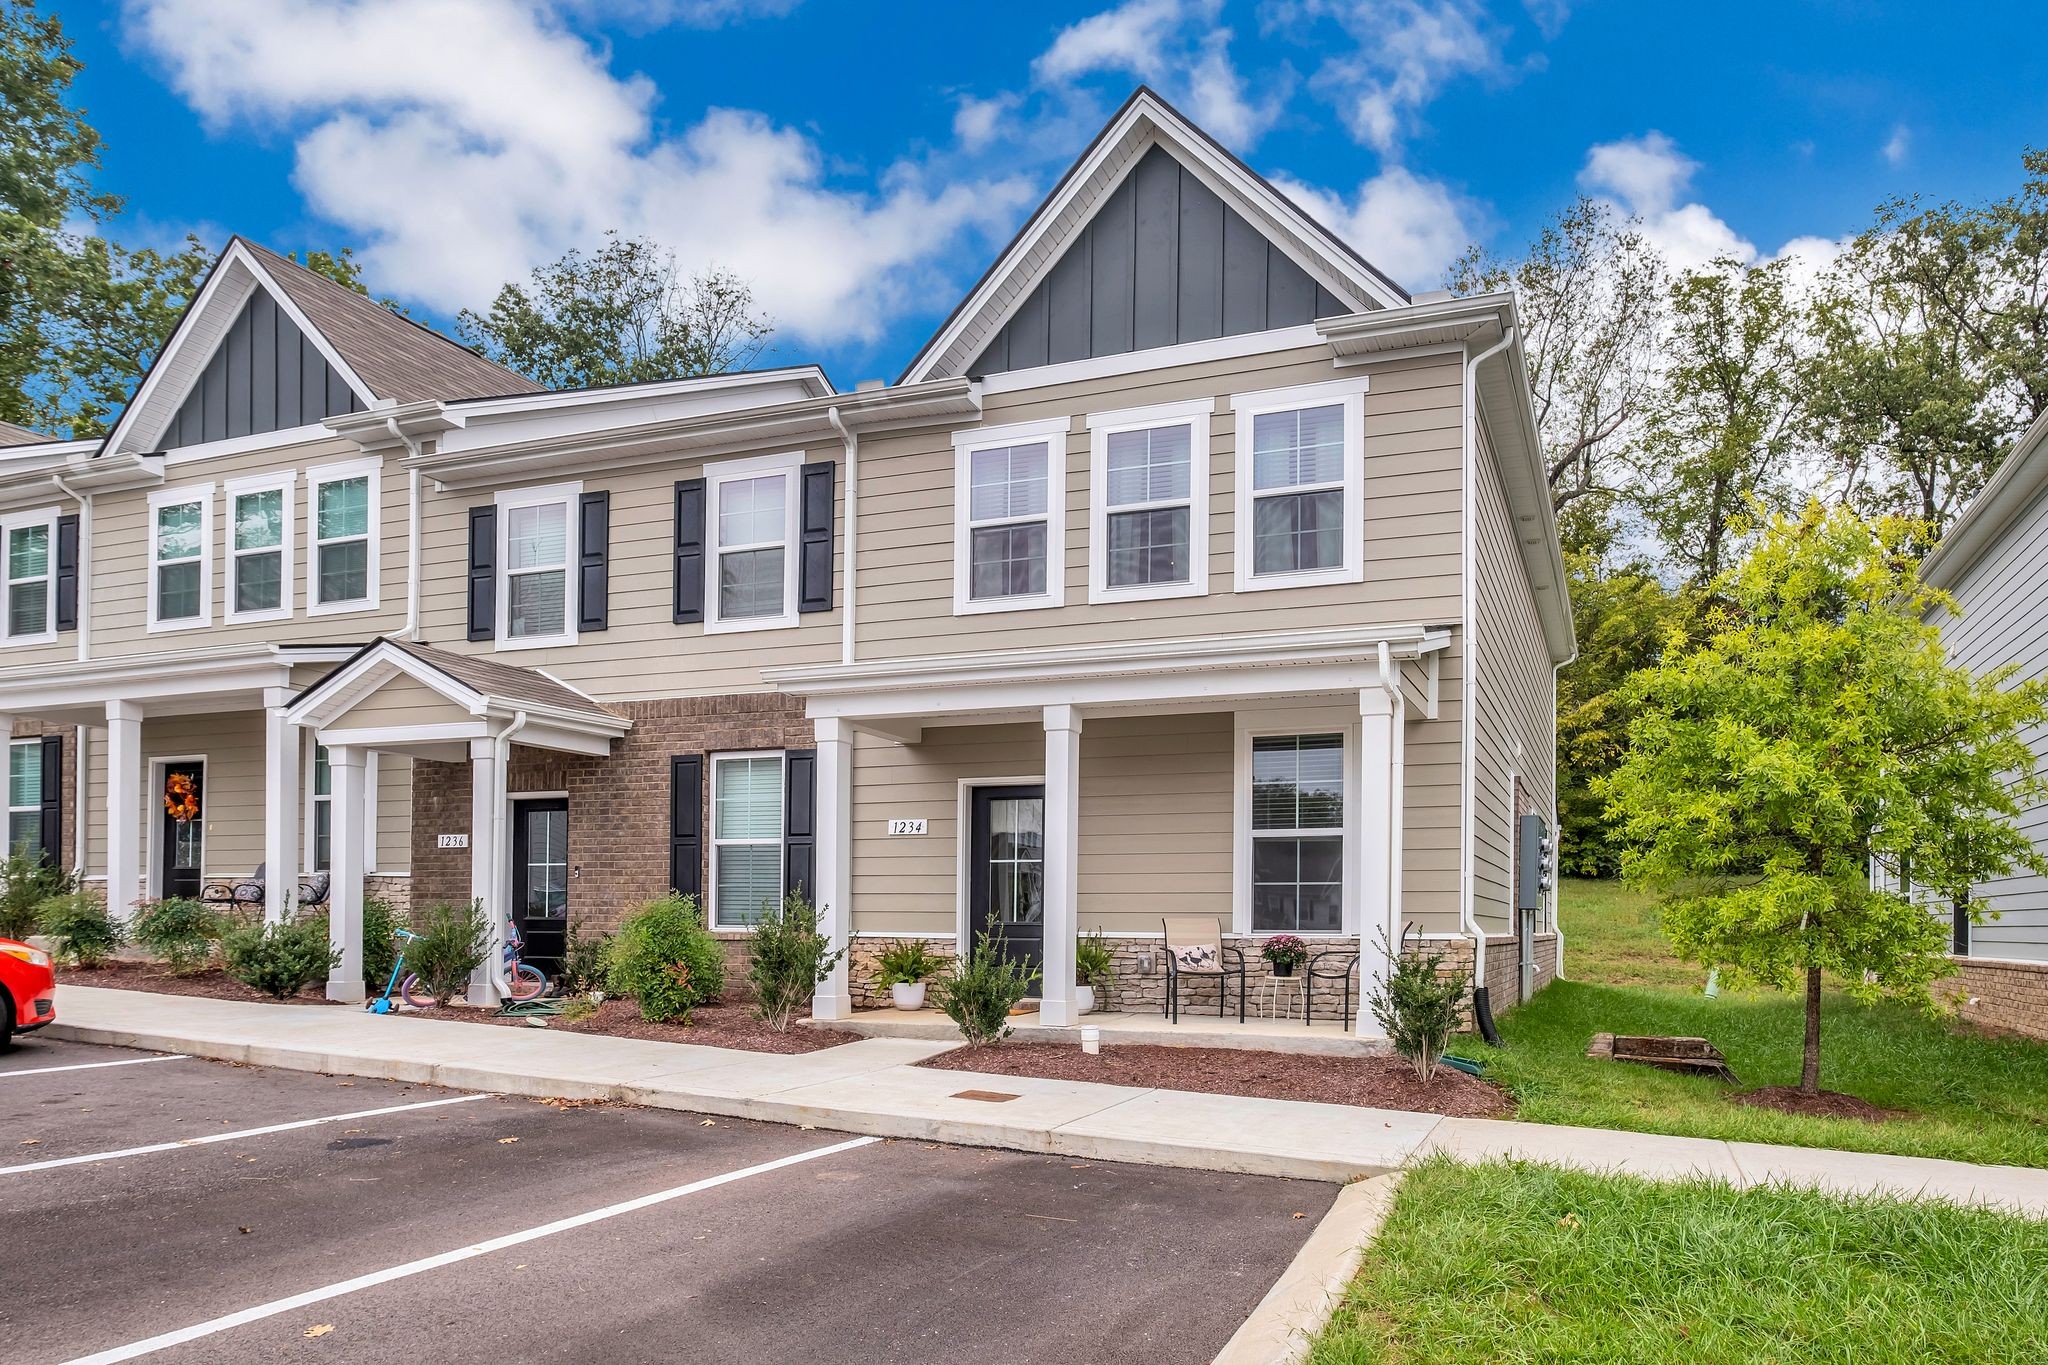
[(2007, 995), (1501, 964), (618, 805)]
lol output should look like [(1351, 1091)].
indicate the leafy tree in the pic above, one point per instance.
[(1724, 422), (1590, 293), (623, 315), (1817, 733)]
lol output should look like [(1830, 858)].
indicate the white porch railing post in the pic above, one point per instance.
[(1062, 863), (282, 797), (1379, 807), (124, 808), (486, 795), (345, 765), (833, 894)]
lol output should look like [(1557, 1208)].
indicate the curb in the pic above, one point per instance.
[(1283, 1328)]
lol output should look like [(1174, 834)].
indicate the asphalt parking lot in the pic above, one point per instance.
[(189, 1210)]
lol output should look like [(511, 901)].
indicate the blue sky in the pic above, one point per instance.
[(860, 164)]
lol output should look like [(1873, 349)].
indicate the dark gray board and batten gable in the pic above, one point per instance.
[(1163, 261), (264, 375)]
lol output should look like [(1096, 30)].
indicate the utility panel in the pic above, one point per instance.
[(1533, 858)]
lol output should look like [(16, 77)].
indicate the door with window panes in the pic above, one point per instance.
[(1006, 870), (540, 879)]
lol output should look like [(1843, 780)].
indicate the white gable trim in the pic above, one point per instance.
[(235, 276), (1145, 120)]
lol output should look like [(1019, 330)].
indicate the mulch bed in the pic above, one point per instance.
[(213, 983), (1367, 1082), (1828, 1104), (732, 1026)]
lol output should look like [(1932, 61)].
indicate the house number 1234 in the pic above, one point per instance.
[(906, 826)]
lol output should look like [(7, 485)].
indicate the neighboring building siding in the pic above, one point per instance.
[(1430, 829), (1516, 733), (2004, 603), (1413, 440), (265, 375)]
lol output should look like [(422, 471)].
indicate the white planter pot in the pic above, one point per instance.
[(1084, 999), (908, 995)]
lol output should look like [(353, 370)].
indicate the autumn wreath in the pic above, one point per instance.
[(181, 798)]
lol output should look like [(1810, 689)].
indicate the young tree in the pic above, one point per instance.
[(621, 316), (1818, 733), (1590, 293)]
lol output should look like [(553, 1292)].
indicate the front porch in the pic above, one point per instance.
[(1325, 1038)]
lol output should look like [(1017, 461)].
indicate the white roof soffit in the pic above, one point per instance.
[(943, 402), (1144, 120), (235, 276), (2020, 478)]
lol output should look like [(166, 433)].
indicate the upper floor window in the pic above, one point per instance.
[(1010, 517), (259, 548), (746, 837), (31, 569), (342, 506), (753, 510), (537, 527), (1300, 485), (180, 569), (1149, 502)]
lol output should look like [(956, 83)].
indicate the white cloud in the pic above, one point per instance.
[(1176, 46), (1899, 146), (1646, 177), (1407, 51), (457, 175), (977, 122), (1408, 226), (1134, 36)]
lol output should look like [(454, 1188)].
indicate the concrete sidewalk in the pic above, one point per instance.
[(873, 1087)]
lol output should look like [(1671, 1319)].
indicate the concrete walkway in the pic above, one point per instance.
[(872, 1086)]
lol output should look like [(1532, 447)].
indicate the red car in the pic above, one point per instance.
[(28, 990)]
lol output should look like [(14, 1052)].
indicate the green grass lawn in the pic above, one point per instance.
[(1612, 935), (1971, 1097), (1529, 1263)]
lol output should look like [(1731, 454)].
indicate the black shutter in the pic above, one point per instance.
[(800, 824), (67, 572), (483, 573), (593, 579), (814, 577), (689, 575), (686, 823), (53, 800)]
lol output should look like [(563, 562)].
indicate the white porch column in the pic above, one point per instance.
[(834, 831), (282, 797), (124, 808), (486, 860), (345, 765), (1062, 863), (1379, 810)]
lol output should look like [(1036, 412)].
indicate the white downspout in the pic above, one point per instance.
[(1468, 721), (501, 855), (1396, 850), (82, 745), (851, 443)]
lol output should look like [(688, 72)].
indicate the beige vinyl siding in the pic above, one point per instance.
[(1413, 440), (1430, 824), (394, 815), (64, 648), (122, 544), (1155, 820), (231, 802), (401, 701), (1516, 732), (643, 653), (96, 804)]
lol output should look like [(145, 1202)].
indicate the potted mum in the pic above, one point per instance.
[(903, 968), (1285, 952)]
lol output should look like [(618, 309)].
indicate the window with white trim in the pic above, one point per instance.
[(1300, 467), (746, 837), (537, 543), (1297, 834), (753, 508), (1010, 517), (341, 556), (24, 795), (320, 813), (180, 571), (31, 571), (259, 549), (1149, 502)]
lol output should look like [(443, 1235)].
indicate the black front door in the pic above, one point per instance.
[(540, 879), (181, 845), (1006, 870)]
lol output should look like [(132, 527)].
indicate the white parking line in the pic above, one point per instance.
[(87, 1066), (232, 1137), (421, 1266)]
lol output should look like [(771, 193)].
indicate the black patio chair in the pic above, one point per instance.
[(1332, 964), (1195, 948)]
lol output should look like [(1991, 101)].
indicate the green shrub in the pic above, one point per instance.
[(26, 881), (279, 959), (788, 957), (1418, 1006), (380, 942), (667, 960), (979, 993), (453, 942), (179, 931), (586, 959), (905, 962), (84, 932), (1093, 961)]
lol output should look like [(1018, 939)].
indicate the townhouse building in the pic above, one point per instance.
[(1192, 566)]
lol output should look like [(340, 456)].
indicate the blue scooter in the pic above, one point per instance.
[(384, 1004)]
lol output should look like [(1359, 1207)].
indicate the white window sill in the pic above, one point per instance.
[(534, 641), (248, 618), (47, 637), (745, 623), (986, 605), (166, 627), (1312, 578), (347, 608), (1147, 592)]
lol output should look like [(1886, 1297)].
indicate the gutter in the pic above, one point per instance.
[(851, 443), (1468, 720)]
